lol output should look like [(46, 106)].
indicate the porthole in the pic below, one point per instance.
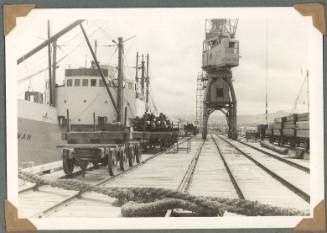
[(65, 101), (84, 101)]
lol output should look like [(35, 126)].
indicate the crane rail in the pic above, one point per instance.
[(304, 195), (183, 172), (289, 162), (72, 197)]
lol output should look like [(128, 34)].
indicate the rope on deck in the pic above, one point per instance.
[(147, 201)]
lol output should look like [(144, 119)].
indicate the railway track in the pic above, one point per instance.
[(300, 164), (58, 174), (291, 177), (165, 171), (214, 167), (46, 201), (224, 171)]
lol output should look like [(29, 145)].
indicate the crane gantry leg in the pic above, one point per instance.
[(226, 103)]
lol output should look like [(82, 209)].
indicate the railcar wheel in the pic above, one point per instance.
[(95, 164), (129, 153), (104, 160), (110, 163), (122, 160), (83, 165), (138, 154), (68, 165)]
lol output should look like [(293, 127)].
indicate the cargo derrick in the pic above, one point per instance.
[(220, 55)]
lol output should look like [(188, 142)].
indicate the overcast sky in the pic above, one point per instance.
[(173, 38)]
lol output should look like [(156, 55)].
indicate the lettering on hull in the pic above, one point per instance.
[(24, 136)]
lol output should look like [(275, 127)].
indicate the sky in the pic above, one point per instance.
[(273, 47)]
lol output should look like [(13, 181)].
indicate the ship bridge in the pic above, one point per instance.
[(91, 77), (83, 93)]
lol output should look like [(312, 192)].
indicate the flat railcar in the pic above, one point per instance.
[(292, 130), (111, 148)]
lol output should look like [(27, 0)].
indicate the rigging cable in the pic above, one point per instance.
[(60, 60), (305, 80), (130, 108), (266, 73), (153, 104), (87, 107)]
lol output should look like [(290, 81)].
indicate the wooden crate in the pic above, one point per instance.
[(278, 120), (291, 117), (289, 125), (302, 125), (303, 133), (303, 116), (277, 125), (268, 131), (289, 132), (276, 132)]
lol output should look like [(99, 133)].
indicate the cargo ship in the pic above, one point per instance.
[(81, 102)]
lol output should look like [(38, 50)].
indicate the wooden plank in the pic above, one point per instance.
[(297, 177), (44, 167), (210, 177), (302, 162), (256, 184), (109, 145), (165, 171)]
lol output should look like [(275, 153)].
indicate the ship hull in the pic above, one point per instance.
[(38, 134), (37, 142)]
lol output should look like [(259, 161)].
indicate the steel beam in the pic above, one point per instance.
[(50, 40), (99, 69)]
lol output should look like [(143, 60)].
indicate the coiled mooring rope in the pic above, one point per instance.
[(148, 201)]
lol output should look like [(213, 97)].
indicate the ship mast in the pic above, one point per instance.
[(137, 69), (52, 64), (142, 75), (53, 78), (49, 61), (120, 91), (147, 84)]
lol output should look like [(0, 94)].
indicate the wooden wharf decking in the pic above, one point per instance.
[(165, 171), (296, 177), (256, 184), (219, 170), (302, 162), (210, 177)]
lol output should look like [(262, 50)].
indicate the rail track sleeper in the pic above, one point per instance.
[(53, 208), (287, 184), (188, 175), (231, 176), (69, 199), (303, 168), (75, 174)]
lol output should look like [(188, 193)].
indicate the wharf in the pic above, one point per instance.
[(216, 167)]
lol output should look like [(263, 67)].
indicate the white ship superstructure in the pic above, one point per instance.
[(83, 93), (83, 101)]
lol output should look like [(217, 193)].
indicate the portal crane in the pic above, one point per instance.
[(220, 55)]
